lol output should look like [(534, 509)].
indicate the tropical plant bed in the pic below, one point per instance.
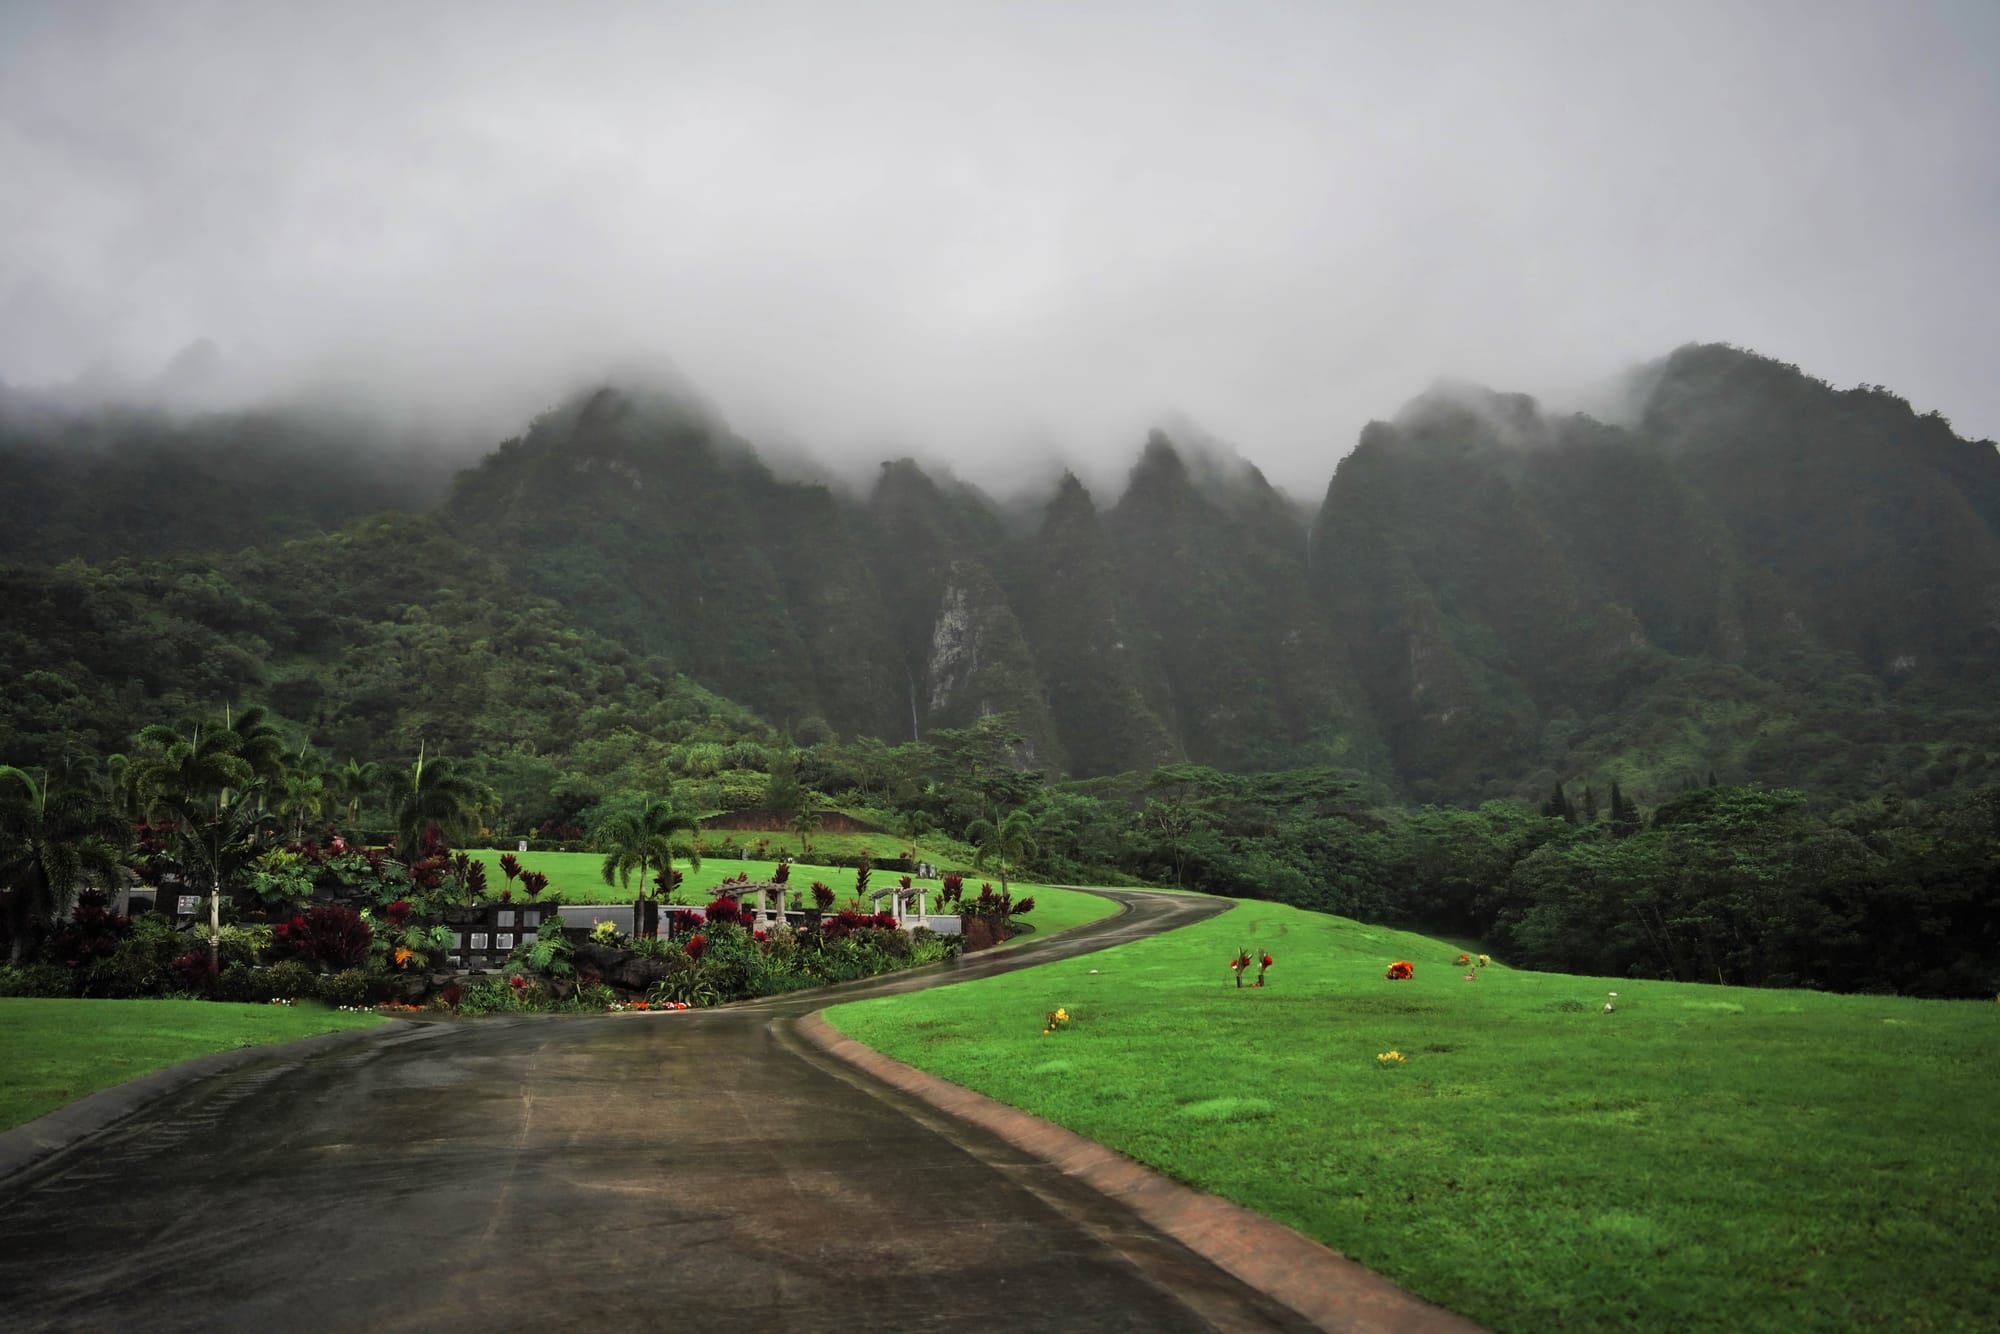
[(578, 877), (61, 1050), (1520, 1147)]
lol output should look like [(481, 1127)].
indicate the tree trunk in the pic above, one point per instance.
[(215, 928)]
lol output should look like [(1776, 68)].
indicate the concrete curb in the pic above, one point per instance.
[(1322, 1285), (26, 1145)]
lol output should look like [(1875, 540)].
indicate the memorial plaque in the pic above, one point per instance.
[(505, 941), (187, 905), (479, 939)]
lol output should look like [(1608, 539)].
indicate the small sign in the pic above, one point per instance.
[(523, 847), (187, 905)]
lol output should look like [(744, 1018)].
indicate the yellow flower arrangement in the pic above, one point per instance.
[(1390, 1057), (1054, 1019)]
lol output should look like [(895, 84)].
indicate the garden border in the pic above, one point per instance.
[(34, 1142), (1325, 1287)]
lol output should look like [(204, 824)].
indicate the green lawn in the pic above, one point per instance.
[(1702, 1158), (577, 877), (61, 1050)]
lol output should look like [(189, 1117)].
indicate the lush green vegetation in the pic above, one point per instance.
[(61, 1050), (1700, 1158), (575, 877)]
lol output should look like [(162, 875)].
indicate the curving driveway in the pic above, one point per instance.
[(702, 1170)]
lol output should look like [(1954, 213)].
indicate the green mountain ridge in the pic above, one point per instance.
[(1759, 576)]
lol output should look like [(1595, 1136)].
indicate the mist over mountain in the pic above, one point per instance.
[(1761, 578)]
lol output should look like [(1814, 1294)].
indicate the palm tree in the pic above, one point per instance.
[(219, 843), (914, 825), (437, 796), (351, 784), (1008, 844), (805, 824), (262, 744), (51, 843), (301, 793), (644, 842), (174, 772)]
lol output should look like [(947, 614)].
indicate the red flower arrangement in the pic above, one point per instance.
[(1400, 971), (1238, 964), (1464, 959), (1263, 966)]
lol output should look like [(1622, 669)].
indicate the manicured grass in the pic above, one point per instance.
[(1702, 1158), (577, 877), (60, 1050)]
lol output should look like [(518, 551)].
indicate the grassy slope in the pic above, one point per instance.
[(61, 1050), (1704, 1158), (576, 877)]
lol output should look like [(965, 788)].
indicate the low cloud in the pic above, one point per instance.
[(993, 234)]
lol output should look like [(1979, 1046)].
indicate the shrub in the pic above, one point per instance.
[(349, 986), (91, 933), (125, 974), (239, 981), (725, 912), (195, 971), (331, 935), (288, 980), (37, 979), (822, 896)]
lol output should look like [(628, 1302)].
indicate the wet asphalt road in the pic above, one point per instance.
[(701, 1170)]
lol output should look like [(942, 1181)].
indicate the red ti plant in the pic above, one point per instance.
[(534, 882), (953, 886), (822, 896), (782, 874), (330, 934), (861, 879), (725, 912), (510, 866), (667, 882), (695, 946), (472, 878), (398, 912)]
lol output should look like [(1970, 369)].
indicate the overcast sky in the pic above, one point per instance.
[(992, 232)]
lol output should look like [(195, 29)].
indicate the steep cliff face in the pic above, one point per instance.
[(1216, 570), (655, 528), (1883, 526), (940, 553), (1106, 683)]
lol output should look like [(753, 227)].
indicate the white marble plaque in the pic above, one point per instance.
[(479, 940), (188, 904)]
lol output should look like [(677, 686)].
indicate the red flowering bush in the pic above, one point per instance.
[(195, 970), (682, 920), (331, 935), (1400, 971), (726, 912)]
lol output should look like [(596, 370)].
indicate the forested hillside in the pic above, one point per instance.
[(1762, 579), (1709, 696)]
